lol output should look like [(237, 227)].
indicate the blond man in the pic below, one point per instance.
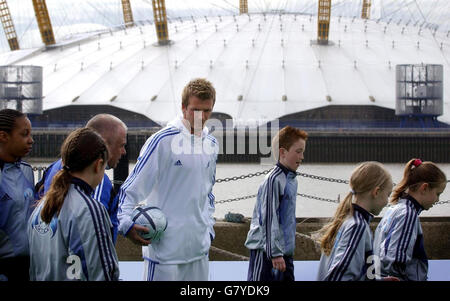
[(175, 171)]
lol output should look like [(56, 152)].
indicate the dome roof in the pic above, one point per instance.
[(263, 66)]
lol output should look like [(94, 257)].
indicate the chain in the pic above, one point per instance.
[(260, 173), (304, 196), (236, 199), (39, 168), (322, 178), (254, 196), (251, 175), (318, 198)]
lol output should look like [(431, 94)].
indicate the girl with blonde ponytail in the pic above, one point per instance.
[(399, 240), (70, 233), (346, 241)]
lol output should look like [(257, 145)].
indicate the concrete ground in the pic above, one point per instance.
[(439, 270)]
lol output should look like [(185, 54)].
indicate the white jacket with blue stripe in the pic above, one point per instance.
[(399, 242), (77, 244), (348, 260), (175, 171), (273, 223)]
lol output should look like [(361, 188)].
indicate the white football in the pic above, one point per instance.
[(153, 219)]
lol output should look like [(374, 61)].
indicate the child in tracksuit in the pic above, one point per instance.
[(271, 238), (70, 233), (16, 194), (346, 242), (399, 238)]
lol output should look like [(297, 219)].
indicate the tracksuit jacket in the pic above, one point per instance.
[(175, 171), (104, 193), (77, 244), (273, 224), (16, 205), (348, 260), (399, 242)]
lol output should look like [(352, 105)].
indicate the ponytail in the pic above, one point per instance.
[(78, 151), (417, 172), (401, 187), (54, 198), (329, 231)]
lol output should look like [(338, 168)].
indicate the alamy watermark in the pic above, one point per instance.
[(74, 270), (234, 137), (373, 267)]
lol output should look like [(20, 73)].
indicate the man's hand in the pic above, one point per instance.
[(279, 264), (135, 237)]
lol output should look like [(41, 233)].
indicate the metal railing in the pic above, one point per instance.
[(41, 169)]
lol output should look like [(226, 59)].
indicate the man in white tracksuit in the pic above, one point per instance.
[(175, 171)]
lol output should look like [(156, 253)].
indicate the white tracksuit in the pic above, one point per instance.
[(175, 171)]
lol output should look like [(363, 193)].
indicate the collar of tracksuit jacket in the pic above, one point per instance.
[(178, 123), (419, 208), (289, 173), (83, 185), (2, 163), (366, 215)]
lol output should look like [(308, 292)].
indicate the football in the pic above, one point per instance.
[(153, 219)]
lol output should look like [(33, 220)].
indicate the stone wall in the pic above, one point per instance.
[(230, 237)]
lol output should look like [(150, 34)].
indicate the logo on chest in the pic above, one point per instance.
[(42, 228), (178, 163)]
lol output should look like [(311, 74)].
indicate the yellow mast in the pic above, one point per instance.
[(127, 13), (243, 7), (323, 21), (8, 26), (43, 20), (160, 18), (365, 13)]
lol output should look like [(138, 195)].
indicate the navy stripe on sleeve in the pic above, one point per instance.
[(355, 237), (100, 234), (269, 207), (405, 237)]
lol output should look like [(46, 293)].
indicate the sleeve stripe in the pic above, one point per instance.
[(362, 226), (211, 199), (355, 236), (152, 143), (150, 146), (277, 171), (212, 138), (106, 257), (98, 190), (103, 215), (406, 234)]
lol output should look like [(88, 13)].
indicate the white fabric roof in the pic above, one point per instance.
[(260, 58)]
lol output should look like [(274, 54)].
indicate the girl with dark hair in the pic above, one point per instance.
[(70, 234), (399, 237), (16, 194)]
